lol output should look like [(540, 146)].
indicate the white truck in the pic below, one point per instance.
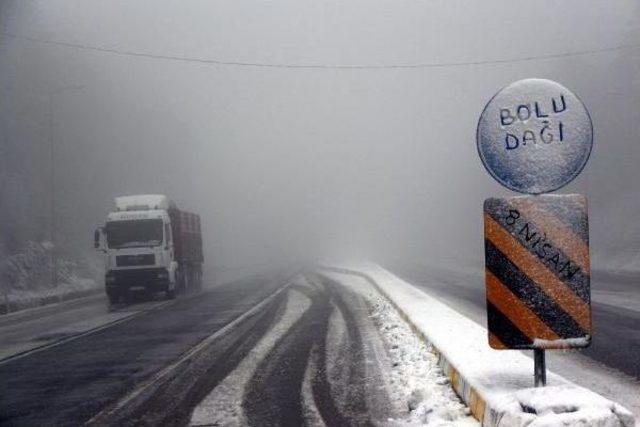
[(150, 246)]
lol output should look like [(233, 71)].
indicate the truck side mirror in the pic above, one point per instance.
[(96, 238)]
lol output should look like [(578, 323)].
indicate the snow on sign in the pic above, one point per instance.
[(537, 272), (534, 136)]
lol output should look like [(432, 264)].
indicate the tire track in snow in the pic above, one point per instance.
[(223, 404), (276, 393), (311, 414), (368, 381), (273, 393), (173, 402), (351, 354)]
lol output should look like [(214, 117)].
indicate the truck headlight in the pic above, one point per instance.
[(163, 275)]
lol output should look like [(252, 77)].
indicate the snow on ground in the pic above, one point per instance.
[(21, 299), (352, 331), (564, 405), (498, 376), (416, 382), (601, 378), (311, 414), (25, 279), (223, 405), (416, 376), (457, 289)]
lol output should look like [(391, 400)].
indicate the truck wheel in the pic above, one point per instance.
[(113, 298), (126, 297), (180, 282), (171, 294), (199, 280), (186, 281)]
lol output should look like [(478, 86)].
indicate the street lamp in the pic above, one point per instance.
[(52, 94)]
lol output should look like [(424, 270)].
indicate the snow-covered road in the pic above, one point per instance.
[(316, 349), (338, 354)]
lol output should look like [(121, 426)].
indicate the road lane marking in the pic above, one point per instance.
[(33, 312), (159, 376), (49, 345)]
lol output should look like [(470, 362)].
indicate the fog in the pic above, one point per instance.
[(300, 130)]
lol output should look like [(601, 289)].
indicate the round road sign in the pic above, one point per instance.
[(534, 136)]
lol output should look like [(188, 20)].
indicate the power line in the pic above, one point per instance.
[(211, 61)]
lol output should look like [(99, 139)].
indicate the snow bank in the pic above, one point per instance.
[(563, 405), (25, 279), (16, 300), (416, 382), (495, 384)]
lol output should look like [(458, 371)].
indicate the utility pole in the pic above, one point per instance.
[(52, 179), (52, 197)]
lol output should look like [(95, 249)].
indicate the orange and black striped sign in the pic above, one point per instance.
[(537, 272)]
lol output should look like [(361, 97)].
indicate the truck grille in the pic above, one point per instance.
[(130, 260)]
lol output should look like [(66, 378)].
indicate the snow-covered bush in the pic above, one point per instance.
[(26, 278), (30, 269)]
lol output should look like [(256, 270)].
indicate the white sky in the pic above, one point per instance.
[(285, 161)]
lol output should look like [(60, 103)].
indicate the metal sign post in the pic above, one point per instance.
[(535, 136), (539, 368)]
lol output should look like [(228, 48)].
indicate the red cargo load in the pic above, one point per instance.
[(187, 236)]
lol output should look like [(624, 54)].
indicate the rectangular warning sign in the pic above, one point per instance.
[(537, 272)]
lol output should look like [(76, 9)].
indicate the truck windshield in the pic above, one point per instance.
[(134, 233)]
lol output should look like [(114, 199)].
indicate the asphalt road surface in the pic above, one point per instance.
[(267, 350), (279, 368), (352, 397), (68, 384), (263, 351)]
